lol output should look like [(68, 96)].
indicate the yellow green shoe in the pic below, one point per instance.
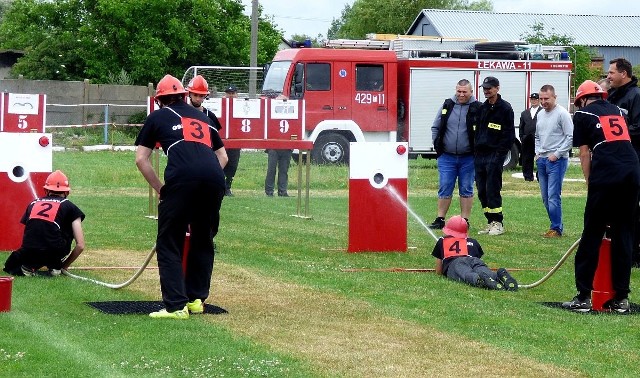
[(164, 314), (196, 306)]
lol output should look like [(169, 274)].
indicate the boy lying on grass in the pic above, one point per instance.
[(458, 257)]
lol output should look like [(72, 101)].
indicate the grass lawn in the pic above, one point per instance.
[(298, 304)]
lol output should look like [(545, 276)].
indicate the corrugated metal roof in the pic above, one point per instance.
[(588, 30)]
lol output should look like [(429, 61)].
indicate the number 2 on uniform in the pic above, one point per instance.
[(45, 210)]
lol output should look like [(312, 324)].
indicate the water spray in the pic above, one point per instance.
[(399, 198)]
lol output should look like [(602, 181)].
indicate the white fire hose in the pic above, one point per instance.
[(116, 286)]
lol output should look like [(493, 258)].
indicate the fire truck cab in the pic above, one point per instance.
[(347, 97), (378, 91)]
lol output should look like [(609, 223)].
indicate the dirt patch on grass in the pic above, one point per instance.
[(339, 336)]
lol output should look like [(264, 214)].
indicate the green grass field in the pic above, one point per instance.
[(295, 308)]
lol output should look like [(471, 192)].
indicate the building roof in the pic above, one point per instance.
[(588, 30)]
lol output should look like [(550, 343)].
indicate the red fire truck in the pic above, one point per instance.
[(367, 90)]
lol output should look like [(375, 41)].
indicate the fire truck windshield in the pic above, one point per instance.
[(274, 81)]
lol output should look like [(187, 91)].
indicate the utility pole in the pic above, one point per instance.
[(253, 59)]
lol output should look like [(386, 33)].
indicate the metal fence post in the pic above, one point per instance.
[(106, 124)]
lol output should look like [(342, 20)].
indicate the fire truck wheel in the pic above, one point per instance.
[(511, 161), (331, 148)]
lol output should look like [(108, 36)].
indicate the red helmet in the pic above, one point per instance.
[(57, 182), (456, 226), (589, 87), (198, 85), (169, 85)]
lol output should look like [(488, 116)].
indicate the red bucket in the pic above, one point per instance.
[(5, 293)]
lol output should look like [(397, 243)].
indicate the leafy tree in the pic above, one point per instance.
[(315, 42), (581, 58), (390, 16), (144, 39)]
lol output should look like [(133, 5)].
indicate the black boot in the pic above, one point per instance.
[(227, 183)]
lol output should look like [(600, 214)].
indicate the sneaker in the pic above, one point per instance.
[(489, 282), (196, 306), (552, 234), (620, 306), (509, 283), (29, 272), (485, 230), (578, 305), (496, 228), (164, 314), (437, 224), (55, 272)]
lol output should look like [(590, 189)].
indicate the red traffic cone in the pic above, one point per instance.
[(602, 284)]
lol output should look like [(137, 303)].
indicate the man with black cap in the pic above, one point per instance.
[(494, 137), (233, 153), (527, 131)]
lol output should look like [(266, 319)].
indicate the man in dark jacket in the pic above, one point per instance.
[(452, 134), (527, 131), (624, 93), (494, 137)]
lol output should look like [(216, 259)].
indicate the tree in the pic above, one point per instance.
[(581, 57), (315, 42), (144, 39), (390, 16)]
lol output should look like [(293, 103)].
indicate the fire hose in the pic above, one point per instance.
[(116, 286)]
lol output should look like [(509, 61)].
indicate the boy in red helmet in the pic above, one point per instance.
[(51, 224), (458, 257)]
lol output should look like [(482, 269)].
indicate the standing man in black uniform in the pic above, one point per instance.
[(624, 93), (494, 136), (190, 197), (612, 171), (233, 153), (51, 223), (527, 131)]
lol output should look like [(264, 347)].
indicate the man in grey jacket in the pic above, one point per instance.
[(453, 135)]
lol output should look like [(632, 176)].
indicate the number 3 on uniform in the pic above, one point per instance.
[(194, 130)]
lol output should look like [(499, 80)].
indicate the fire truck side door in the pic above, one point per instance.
[(318, 93), (369, 99), (343, 92)]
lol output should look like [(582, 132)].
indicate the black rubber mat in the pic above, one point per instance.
[(635, 309), (143, 307)]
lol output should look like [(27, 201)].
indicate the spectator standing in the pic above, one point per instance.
[(612, 171), (452, 134), (624, 93), (190, 197), (604, 84), (277, 160), (233, 153), (527, 131), (553, 141), (495, 133), (52, 223)]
